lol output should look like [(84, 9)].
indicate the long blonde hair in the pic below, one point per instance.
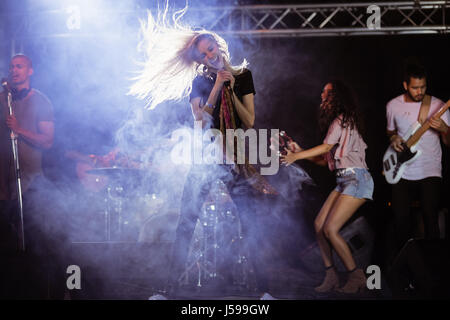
[(169, 65)]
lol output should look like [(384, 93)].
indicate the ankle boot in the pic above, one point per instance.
[(356, 282), (330, 282)]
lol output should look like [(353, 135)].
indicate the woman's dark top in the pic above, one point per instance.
[(202, 86)]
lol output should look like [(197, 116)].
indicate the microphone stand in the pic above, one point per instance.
[(15, 151)]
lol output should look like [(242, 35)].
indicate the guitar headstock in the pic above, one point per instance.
[(284, 141), (444, 108)]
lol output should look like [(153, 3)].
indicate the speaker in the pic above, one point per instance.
[(421, 270), (359, 237)]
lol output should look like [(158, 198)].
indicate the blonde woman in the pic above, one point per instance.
[(183, 63)]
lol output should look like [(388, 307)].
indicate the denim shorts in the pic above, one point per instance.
[(355, 182)]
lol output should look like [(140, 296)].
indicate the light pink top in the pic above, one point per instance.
[(401, 116), (349, 150)]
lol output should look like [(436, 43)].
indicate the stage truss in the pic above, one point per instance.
[(346, 19), (303, 20)]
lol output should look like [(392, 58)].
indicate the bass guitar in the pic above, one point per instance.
[(394, 162)]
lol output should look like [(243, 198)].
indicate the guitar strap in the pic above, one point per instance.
[(424, 109)]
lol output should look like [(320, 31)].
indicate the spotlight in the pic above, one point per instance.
[(267, 296), (157, 297)]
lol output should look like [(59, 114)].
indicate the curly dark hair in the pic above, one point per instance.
[(340, 101)]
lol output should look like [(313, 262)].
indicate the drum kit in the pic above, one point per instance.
[(217, 251), (119, 192)]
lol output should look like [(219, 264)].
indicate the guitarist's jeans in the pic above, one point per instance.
[(427, 191)]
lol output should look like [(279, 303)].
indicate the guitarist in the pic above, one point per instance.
[(344, 150), (424, 175)]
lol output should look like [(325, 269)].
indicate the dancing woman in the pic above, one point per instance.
[(344, 150), (183, 63)]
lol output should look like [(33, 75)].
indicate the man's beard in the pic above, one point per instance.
[(417, 98)]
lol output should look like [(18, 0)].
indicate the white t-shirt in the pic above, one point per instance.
[(401, 116)]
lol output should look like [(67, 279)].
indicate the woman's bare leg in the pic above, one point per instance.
[(324, 245), (343, 209)]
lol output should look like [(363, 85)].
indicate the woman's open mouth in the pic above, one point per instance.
[(215, 61)]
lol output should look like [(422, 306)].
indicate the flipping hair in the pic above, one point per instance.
[(170, 64), (341, 101)]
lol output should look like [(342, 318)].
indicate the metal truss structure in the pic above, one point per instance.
[(303, 20), (407, 17)]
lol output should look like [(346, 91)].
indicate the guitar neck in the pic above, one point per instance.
[(418, 134)]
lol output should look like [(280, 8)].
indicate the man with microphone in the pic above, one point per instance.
[(32, 123)]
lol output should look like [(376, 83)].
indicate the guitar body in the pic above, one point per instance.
[(395, 163)]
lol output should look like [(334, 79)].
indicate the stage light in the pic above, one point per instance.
[(267, 296), (157, 297)]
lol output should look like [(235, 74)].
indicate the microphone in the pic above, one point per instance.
[(5, 84), (227, 84)]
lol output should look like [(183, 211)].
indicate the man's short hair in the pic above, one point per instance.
[(27, 59), (413, 69)]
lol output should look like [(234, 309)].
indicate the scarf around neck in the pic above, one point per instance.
[(228, 121)]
